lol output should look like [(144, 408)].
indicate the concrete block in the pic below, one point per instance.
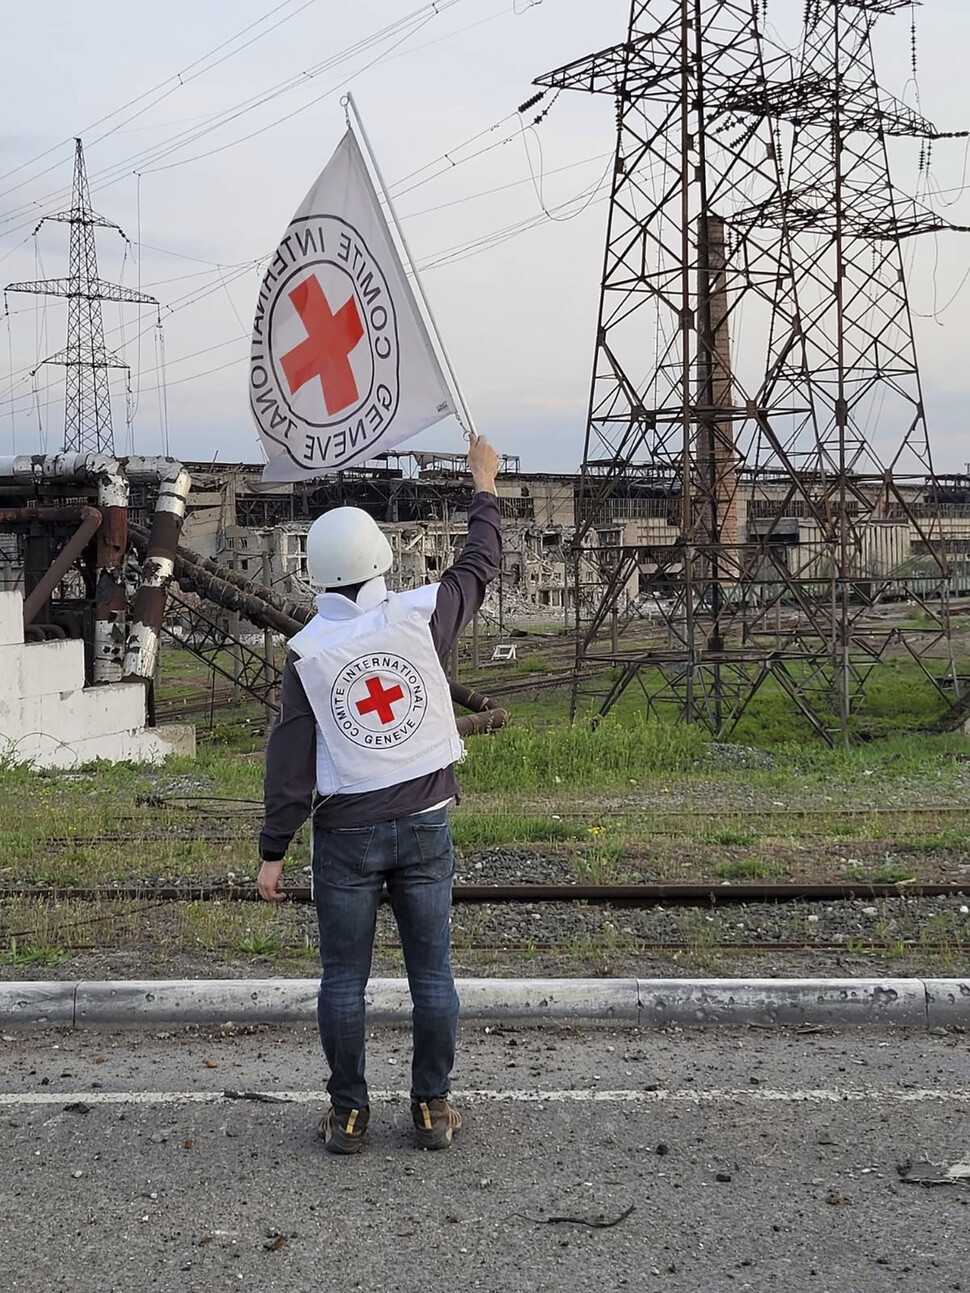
[(11, 724), (41, 668), (115, 747), (69, 755), (96, 711), (65, 730), (53, 666), (174, 738), (36, 1003), (153, 745), (20, 719), (42, 751), (11, 618), (947, 1002), (886, 1002), (196, 1001)]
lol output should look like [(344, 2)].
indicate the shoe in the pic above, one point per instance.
[(343, 1130), (435, 1123)]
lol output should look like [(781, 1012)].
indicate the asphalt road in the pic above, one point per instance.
[(155, 1180)]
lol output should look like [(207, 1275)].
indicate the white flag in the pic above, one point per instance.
[(342, 366)]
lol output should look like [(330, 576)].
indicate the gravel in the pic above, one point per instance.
[(741, 756), (900, 936)]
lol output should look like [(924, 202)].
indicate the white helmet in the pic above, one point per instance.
[(345, 546)]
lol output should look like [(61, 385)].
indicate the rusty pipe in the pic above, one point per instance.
[(110, 598), (224, 592), (10, 516), (470, 699), (79, 540), (488, 720), (174, 484), (296, 611)]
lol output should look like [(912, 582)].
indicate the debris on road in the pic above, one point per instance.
[(596, 1221), (924, 1172), (263, 1097)]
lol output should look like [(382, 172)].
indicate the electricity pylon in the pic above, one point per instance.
[(87, 400)]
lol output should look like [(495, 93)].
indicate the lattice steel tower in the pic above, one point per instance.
[(756, 477), (86, 359)]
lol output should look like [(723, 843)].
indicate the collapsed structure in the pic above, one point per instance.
[(80, 639), (420, 499)]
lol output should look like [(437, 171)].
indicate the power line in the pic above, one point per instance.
[(144, 158), (181, 78)]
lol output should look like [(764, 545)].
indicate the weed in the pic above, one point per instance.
[(598, 864), (888, 872), (848, 831), (18, 953), (728, 837), (938, 841), (258, 944), (306, 949), (535, 664), (893, 873), (748, 869)]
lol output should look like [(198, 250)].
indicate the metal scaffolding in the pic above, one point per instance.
[(755, 377)]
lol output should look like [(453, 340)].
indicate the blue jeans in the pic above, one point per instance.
[(413, 856)]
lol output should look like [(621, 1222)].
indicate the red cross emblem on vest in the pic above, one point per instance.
[(380, 702), (325, 353)]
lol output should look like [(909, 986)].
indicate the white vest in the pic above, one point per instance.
[(378, 692)]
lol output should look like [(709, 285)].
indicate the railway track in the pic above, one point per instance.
[(200, 704), (230, 806), (630, 895), (672, 947)]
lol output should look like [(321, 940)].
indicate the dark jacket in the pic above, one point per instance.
[(291, 752)]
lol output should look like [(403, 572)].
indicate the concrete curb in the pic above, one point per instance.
[(898, 1002), (904, 1003), (947, 1002), (36, 1003)]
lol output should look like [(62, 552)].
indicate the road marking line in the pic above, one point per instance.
[(757, 1095)]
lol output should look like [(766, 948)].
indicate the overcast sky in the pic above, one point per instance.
[(519, 317)]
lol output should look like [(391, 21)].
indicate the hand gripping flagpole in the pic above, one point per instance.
[(465, 420)]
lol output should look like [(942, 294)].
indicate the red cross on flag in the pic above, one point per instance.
[(342, 364)]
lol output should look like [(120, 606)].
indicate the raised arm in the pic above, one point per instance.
[(463, 585)]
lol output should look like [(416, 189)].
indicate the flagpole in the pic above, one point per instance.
[(349, 102)]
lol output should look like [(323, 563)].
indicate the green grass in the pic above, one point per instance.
[(18, 953), (748, 869), (607, 756), (478, 831), (535, 664), (729, 837), (952, 840), (887, 872)]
